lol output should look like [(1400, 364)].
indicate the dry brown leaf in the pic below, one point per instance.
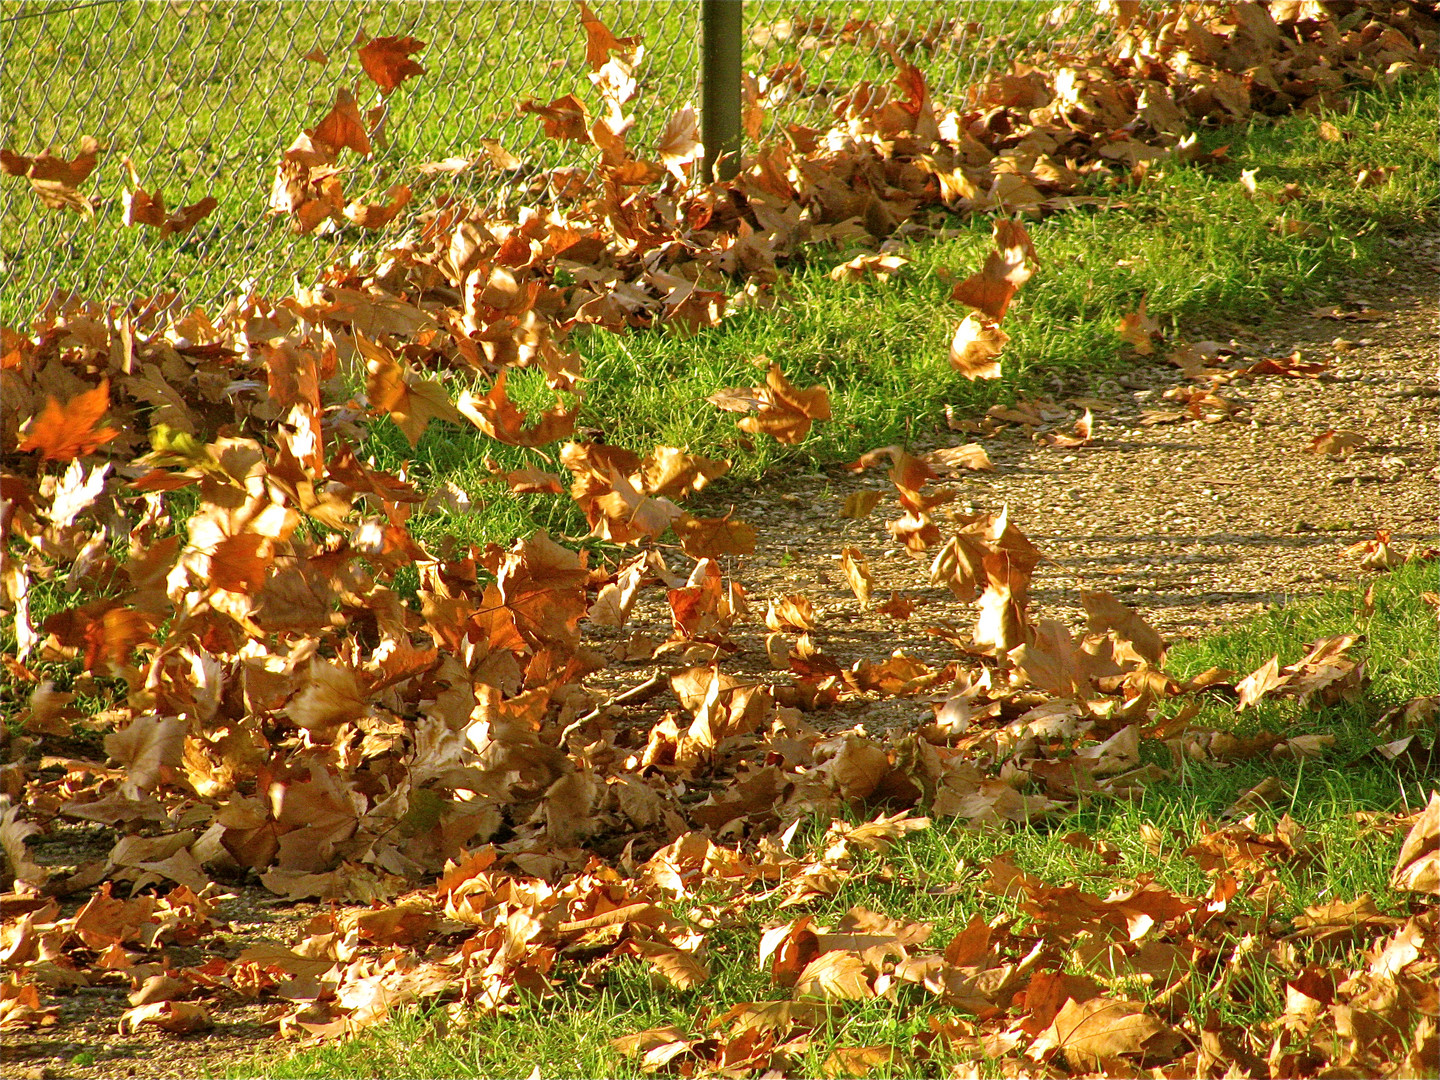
[(794, 612), (1336, 444), (838, 975), (387, 61), (1139, 329), (858, 504), (709, 538), (975, 347), (1089, 1032), (857, 573), (1417, 869), (172, 1017)]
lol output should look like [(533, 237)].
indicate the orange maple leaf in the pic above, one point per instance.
[(65, 432)]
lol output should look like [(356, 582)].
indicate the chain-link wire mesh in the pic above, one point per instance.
[(811, 54), (203, 96)]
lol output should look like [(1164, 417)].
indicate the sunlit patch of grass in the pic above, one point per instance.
[(1191, 242)]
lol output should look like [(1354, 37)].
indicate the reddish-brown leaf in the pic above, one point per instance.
[(387, 61)]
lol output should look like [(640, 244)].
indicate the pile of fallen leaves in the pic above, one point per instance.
[(281, 710)]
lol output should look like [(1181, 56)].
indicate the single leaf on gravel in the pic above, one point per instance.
[(64, 432), (20, 1007), (1336, 444), (897, 607), (857, 573), (858, 504), (1418, 867), (172, 1017), (1083, 435), (955, 458), (1289, 367), (794, 613)]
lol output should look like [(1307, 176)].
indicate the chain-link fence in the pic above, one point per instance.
[(203, 96)]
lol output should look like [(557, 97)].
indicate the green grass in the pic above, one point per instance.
[(204, 96), (569, 1034), (1191, 242)]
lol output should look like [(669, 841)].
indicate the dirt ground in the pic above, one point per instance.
[(1195, 524)]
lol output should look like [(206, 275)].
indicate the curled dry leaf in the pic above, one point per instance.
[(878, 266), (1417, 869), (955, 458), (857, 573), (838, 975), (172, 1017), (564, 118), (794, 612), (1139, 329), (975, 347), (1082, 435), (1006, 268), (142, 208), (1086, 1033), (397, 390), (378, 215), (496, 415), (55, 180), (781, 409), (1336, 444), (709, 538)]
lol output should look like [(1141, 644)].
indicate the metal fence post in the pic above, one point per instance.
[(721, 24)]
